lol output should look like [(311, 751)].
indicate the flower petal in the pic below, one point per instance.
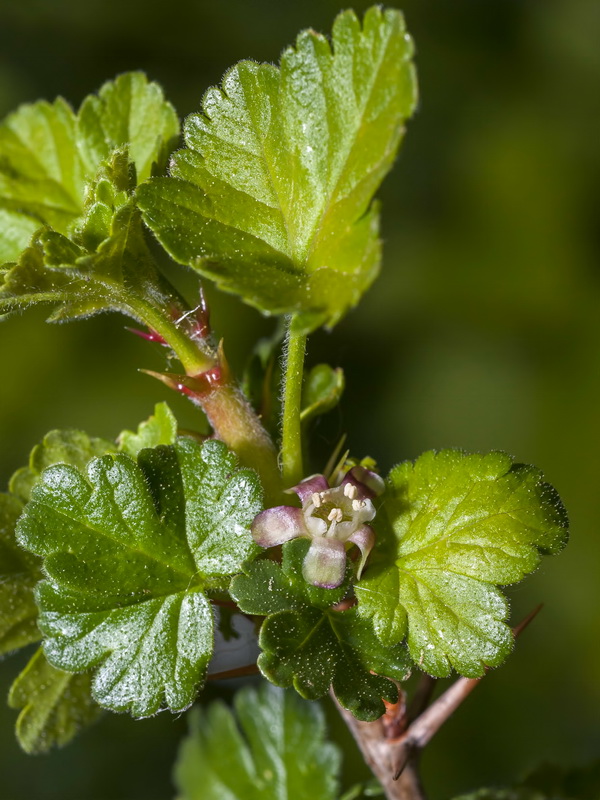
[(325, 563), (364, 538), (368, 484), (307, 487), (278, 525)]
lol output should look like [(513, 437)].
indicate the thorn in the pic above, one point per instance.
[(518, 629), (150, 336), (193, 386)]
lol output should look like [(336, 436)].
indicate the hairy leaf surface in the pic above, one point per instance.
[(272, 197), (275, 749), (452, 527), (130, 550), (309, 645)]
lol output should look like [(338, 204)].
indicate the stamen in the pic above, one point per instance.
[(316, 498), (350, 491), (336, 515), (356, 505)]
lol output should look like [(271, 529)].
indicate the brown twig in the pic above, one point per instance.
[(426, 725), (421, 698), (238, 672), (394, 760)]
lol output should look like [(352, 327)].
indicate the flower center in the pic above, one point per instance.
[(339, 506)]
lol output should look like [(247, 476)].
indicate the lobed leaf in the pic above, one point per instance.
[(57, 447), (129, 552), (54, 705), (272, 197), (310, 645), (276, 748), (160, 428), (19, 572), (455, 525)]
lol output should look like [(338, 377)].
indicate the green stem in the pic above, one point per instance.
[(229, 413), (291, 440), (193, 359)]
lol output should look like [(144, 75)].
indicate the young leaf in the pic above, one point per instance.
[(57, 447), (16, 232), (160, 428), (458, 525), (273, 196), (70, 179), (322, 391), (19, 572), (48, 153), (309, 645), (280, 751), (54, 705), (129, 551), (128, 110), (118, 275)]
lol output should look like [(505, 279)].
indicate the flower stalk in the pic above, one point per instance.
[(291, 434)]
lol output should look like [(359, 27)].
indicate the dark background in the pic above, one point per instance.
[(482, 332)]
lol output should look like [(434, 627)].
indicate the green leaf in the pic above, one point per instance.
[(273, 196), (57, 447), (16, 232), (119, 275), (48, 153), (54, 705), (69, 178), (452, 526), (322, 391), (130, 551), (131, 111), (160, 428), (276, 749), (309, 645), (19, 572)]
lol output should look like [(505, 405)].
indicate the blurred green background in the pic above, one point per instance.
[(482, 332)]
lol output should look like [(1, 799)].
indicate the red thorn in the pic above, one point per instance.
[(150, 336), (193, 386)]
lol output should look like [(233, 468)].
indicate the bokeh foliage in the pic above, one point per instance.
[(483, 330)]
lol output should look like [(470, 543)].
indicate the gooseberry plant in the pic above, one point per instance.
[(126, 560)]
